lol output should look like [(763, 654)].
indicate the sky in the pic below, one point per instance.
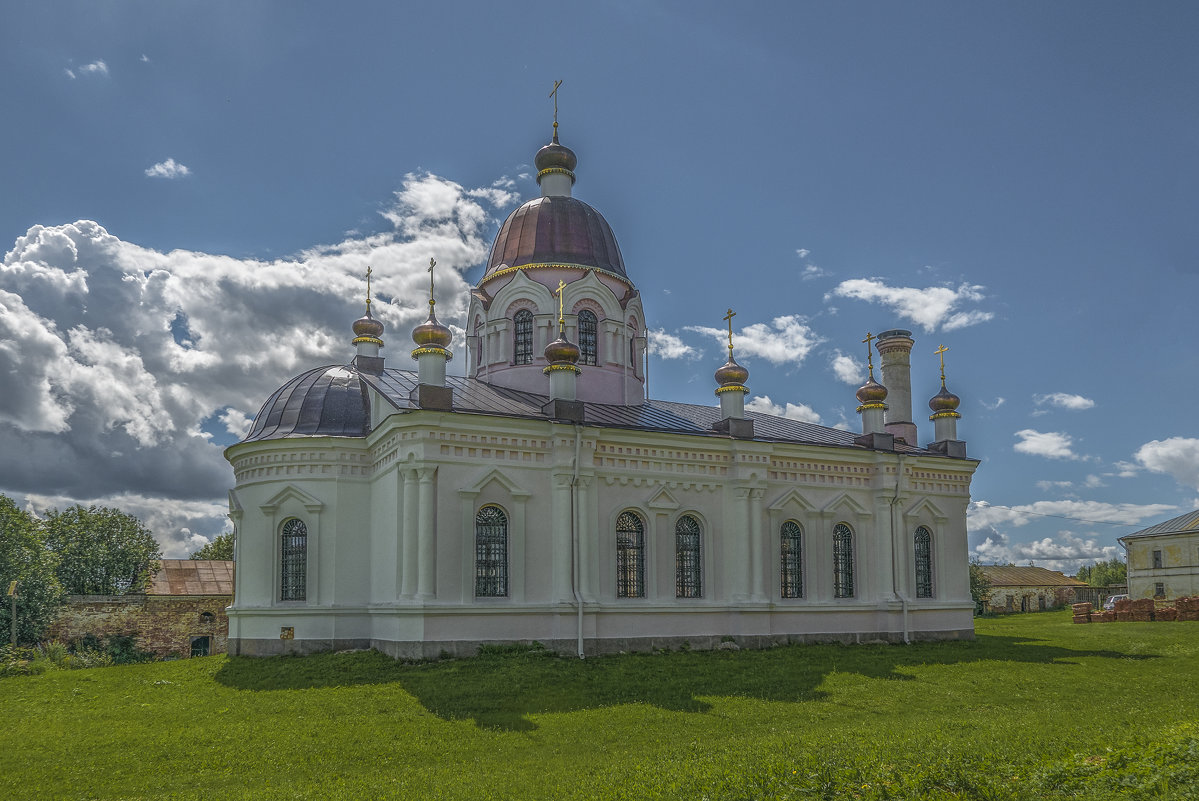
[(190, 194)]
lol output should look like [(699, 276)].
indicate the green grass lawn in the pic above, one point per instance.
[(1035, 707)]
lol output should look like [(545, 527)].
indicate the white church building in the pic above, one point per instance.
[(543, 497)]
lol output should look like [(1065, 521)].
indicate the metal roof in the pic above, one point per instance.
[(1175, 525), (192, 577), (1012, 576), (555, 230), (324, 402)]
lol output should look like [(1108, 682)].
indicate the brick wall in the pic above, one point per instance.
[(162, 625)]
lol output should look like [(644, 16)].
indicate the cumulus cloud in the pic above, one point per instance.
[(1050, 444), (1066, 551), (930, 308), (847, 369), (1177, 457), (1064, 400), (97, 67), (981, 515), (793, 411), (668, 346), (802, 252), (125, 363), (168, 169), (786, 339)]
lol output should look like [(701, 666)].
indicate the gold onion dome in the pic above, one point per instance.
[(562, 351), (432, 334), (556, 157), (944, 401), (731, 374), (368, 327), (871, 392)]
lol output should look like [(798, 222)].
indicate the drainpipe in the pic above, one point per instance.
[(574, 534), (894, 564)]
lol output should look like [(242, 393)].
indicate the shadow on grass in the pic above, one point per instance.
[(501, 687)]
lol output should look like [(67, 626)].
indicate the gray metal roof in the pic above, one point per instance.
[(332, 401), (1186, 522)]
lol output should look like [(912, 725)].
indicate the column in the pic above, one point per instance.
[(408, 534), (426, 534)]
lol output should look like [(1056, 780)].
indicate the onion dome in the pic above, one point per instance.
[(562, 351), (871, 392), (432, 334), (944, 401), (324, 402), (555, 230), (368, 329), (555, 157), (731, 374)]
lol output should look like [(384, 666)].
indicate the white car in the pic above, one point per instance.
[(1110, 603)]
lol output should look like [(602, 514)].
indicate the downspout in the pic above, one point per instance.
[(894, 564), (574, 535)]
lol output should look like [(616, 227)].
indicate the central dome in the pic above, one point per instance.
[(555, 230)]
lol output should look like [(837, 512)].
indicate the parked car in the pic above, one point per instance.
[(1110, 603)]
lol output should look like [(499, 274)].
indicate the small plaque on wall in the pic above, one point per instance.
[(287, 633)]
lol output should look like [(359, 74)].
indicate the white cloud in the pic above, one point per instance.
[(1063, 400), (802, 252), (144, 59), (97, 67), (1045, 486), (786, 339), (1066, 551), (668, 346), (847, 369), (994, 404), (1050, 444), (930, 308), (811, 272), (1177, 457), (981, 515), (793, 411), (1093, 481), (69, 72), (168, 169), (132, 360)]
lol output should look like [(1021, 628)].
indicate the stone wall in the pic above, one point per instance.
[(162, 625)]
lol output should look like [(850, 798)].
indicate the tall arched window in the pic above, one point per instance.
[(588, 326), (924, 563), (491, 553), (630, 556), (688, 565), (522, 344), (792, 559), (842, 561), (293, 560)]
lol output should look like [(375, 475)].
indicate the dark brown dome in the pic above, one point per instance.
[(432, 334), (368, 327), (944, 401), (872, 392), (731, 374), (562, 351), (553, 156), (555, 230)]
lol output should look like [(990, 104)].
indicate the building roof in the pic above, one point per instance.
[(1175, 525), (1011, 576), (324, 402), (555, 230), (192, 577)]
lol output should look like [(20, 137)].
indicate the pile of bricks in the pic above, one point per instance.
[(1082, 612), (1141, 610), (1188, 608)]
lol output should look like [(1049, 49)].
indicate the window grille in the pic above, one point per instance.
[(587, 337), (201, 646), (1159, 590), (842, 561), (293, 560), (688, 566), (792, 559), (522, 351), (630, 556), (491, 553), (1157, 559), (924, 563)]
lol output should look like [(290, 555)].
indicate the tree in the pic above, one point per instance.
[(1104, 574), (101, 551), (219, 548), (25, 559), (980, 585)]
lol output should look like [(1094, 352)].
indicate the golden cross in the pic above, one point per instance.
[(941, 352), (869, 355), (554, 94), (432, 264), (368, 287), (729, 317), (561, 314)]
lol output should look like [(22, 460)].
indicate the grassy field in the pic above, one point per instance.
[(1034, 708)]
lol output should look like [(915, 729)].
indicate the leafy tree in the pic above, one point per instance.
[(101, 551), (219, 548), (1104, 574), (24, 559), (980, 585)]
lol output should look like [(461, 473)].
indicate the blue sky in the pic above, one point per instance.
[(192, 192)]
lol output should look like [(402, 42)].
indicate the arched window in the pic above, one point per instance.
[(491, 553), (293, 560), (688, 565), (630, 556), (587, 337), (842, 561), (924, 563), (522, 345), (792, 559)]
